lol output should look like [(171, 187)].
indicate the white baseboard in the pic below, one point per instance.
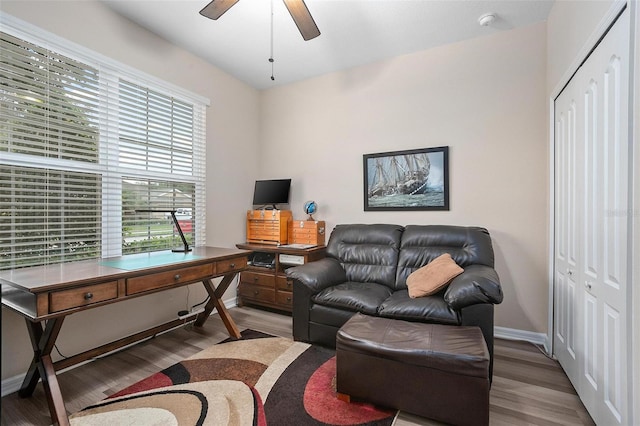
[(12, 384), (540, 339)]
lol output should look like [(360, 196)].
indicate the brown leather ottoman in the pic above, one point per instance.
[(436, 371)]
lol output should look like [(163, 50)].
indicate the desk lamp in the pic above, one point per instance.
[(186, 247)]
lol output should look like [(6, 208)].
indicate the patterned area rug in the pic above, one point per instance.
[(257, 380)]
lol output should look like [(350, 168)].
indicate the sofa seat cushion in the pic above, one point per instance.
[(354, 296), (432, 309), (327, 315)]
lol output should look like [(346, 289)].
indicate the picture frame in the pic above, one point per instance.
[(416, 179)]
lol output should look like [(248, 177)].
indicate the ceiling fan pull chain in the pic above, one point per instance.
[(271, 57)]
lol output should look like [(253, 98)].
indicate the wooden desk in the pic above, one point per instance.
[(46, 295)]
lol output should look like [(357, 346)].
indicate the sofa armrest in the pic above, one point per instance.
[(318, 275), (477, 284)]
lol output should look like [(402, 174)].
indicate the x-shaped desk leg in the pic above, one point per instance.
[(215, 301), (42, 341)]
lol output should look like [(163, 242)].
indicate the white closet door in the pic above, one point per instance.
[(591, 220)]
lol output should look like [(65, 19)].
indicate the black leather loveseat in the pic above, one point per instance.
[(366, 269)]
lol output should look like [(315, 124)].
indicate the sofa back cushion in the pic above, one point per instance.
[(368, 253), (421, 244)]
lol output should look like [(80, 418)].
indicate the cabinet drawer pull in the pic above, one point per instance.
[(176, 277), (255, 279), (88, 296), (289, 283), (256, 292), (288, 298), (232, 265)]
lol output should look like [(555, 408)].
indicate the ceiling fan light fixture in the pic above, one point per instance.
[(487, 19)]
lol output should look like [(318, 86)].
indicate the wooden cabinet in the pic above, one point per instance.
[(268, 285), (307, 232), (268, 226)]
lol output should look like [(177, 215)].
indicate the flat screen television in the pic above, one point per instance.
[(271, 192)]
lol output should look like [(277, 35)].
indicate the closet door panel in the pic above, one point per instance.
[(592, 242)]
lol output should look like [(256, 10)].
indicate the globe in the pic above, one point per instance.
[(310, 207)]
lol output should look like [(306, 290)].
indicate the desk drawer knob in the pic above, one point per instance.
[(232, 265), (256, 292), (88, 296), (176, 277)]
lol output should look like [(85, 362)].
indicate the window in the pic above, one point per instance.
[(84, 144), (148, 232)]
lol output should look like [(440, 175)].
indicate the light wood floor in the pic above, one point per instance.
[(528, 388)]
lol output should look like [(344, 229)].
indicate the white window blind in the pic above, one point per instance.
[(49, 103), (156, 131), (85, 143), (48, 214)]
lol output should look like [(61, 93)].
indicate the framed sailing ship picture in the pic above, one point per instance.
[(417, 179)]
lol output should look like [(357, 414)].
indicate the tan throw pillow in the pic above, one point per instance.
[(433, 276)]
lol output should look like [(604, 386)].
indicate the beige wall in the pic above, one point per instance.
[(484, 98), (232, 136)]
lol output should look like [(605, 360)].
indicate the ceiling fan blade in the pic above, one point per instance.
[(302, 18), (217, 8)]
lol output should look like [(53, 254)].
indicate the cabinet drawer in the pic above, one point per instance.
[(264, 224), (305, 239), (255, 278), (164, 279), (265, 235), (224, 266), (304, 231), (258, 293), (283, 284), (83, 296), (285, 298)]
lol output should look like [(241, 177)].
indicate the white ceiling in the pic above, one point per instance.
[(353, 32)]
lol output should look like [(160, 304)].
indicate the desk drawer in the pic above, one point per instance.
[(235, 264), (169, 278), (82, 296)]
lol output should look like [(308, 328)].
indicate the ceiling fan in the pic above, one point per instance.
[(296, 8)]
